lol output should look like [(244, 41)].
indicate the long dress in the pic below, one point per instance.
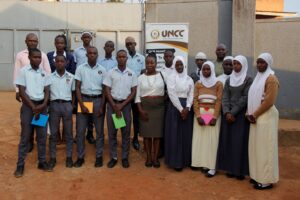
[(206, 138), (263, 137), (178, 137), (233, 141)]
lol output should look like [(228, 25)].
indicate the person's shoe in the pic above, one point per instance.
[(156, 164), (44, 166), (99, 162), (230, 175), (52, 163), (240, 177), (252, 181), (69, 162), (194, 168), (148, 164), (136, 144), (19, 171), (125, 163), (90, 138), (204, 170), (112, 163), (211, 173), (79, 162), (30, 147), (178, 169), (260, 186)]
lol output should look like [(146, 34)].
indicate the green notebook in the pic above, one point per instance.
[(119, 122)]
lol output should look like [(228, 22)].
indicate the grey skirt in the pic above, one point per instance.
[(155, 107)]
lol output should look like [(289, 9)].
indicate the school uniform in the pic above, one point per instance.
[(91, 79), (61, 88), (34, 81), (108, 63), (136, 63), (71, 65), (120, 84)]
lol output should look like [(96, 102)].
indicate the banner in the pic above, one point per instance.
[(167, 36)]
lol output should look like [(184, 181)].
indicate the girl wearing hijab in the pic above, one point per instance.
[(179, 118), (234, 133), (207, 106), (263, 116), (150, 102)]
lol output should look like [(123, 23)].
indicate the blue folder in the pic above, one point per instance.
[(42, 121)]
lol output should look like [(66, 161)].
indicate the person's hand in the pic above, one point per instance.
[(144, 115), (213, 122), (117, 110), (230, 118), (200, 121), (18, 97), (184, 113), (100, 113), (37, 117), (38, 109), (84, 109), (251, 119)]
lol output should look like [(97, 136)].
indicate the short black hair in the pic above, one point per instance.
[(121, 50), (61, 56), (31, 51)]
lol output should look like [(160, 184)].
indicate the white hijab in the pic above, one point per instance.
[(257, 88), (237, 79), (176, 79), (210, 81)]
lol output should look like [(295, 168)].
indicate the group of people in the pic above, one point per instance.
[(217, 118)]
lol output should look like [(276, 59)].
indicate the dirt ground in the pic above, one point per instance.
[(136, 182)]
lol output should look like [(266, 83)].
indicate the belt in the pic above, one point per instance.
[(38, 102), (118, 101), (61, 101), (153, 97), (91, 95)]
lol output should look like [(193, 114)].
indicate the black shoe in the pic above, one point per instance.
[(112, 163), (90, 138), (194, 168), (99, 162), (252, 181), (259, 186), (156, 164), (52, 163), (44, 166), (79, 162), (125, 163), (209, 175), (30, 147), (204, 170), (69, 162), (240, 177), (179, 169), (19, 171), (230, 175), (136, 144), (148, 164)]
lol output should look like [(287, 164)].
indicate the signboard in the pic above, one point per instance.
[(167, 36)]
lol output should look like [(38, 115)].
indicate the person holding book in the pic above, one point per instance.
[(150, 98), (263, 116), (234, 133), (33, 85), (179, 117), (207, 105), (62, 86), (89, 78), (120, 89)]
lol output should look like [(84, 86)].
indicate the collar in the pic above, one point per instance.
[(31, 69), (55, 54), (125, 71), (87, 65), (56, 74)]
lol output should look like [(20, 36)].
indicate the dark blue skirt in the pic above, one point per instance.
[(178, 137)]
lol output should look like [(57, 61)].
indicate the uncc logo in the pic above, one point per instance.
[(172, 33), (155, 34)]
